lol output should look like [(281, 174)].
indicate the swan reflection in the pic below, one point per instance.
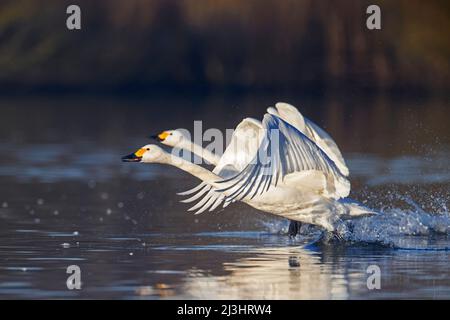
[(271, 273)]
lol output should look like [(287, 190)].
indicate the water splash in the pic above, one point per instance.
[(403, 228), (407, 226)]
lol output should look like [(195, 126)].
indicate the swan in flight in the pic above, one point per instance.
[(286, 174), (285, 111), (237, 156)]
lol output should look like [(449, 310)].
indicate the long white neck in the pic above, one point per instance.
[(194, 169), (199, 151)]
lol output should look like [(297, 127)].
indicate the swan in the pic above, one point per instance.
[(232, 159), (301, 183), (285, 111)]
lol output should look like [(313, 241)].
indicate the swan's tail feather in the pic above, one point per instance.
[(355, 209)]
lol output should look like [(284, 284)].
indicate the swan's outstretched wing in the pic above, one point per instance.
[(243, 146), (291, 115), (283, 150)]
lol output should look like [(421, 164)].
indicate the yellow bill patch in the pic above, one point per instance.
[(163, 135), (140, 152)]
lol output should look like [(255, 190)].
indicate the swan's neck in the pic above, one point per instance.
[(201, 152), (194, 169)]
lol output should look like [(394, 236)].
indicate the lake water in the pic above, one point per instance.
[(67, 199)]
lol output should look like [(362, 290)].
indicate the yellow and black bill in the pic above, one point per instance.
[(134, 157)]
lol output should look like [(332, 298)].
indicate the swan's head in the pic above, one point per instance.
[(149, 153), (171, 138)]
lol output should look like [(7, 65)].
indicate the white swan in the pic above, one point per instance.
[(243, 146), (301, 183), (285, 111)]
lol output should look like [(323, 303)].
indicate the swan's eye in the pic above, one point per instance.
[(171, 133), (148, 149)]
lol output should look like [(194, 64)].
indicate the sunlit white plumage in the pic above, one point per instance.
[(285, 111), (270, 176), (291, 115), (301, 183), (245, 144), (285, 151)]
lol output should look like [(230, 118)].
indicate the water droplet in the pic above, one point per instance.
[(56, 212), (5, 204), (75, 233), (131, 253), (140, 195), (24, 269), (37, 220), (120, 205), (108, 211), (40, 201), (65, 245), (32, 212), (100, 219), (104, 195)]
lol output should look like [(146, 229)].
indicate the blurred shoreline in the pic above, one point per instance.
[(204, 47)]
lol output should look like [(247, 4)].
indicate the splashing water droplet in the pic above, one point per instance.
[(140, 195), (104, 196)]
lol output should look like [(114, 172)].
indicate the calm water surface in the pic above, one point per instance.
[(66, 199)]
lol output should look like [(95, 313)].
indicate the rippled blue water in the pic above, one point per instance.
[(67, 199)]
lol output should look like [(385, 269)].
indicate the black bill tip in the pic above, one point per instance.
[(131, 158)]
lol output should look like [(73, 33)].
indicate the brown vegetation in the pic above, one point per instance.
[(251, 44)]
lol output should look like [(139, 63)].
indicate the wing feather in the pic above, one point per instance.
[(291, 115), (283, 150)]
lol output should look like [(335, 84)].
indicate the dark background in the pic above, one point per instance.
[(203, 46)]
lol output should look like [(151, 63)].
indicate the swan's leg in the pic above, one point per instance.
[(337, 236), (294, 228)]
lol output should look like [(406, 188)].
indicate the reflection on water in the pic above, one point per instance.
[(66, 199), (329, 273)]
